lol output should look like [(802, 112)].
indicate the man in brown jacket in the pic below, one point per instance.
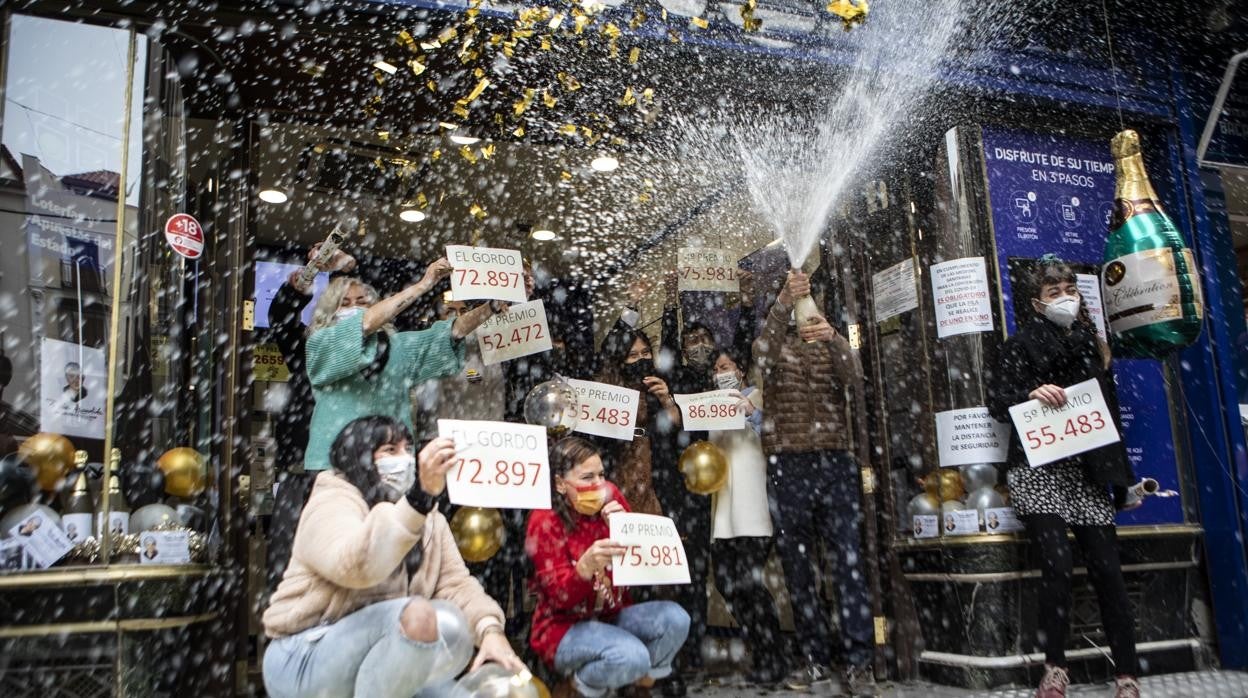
[(814, 483)]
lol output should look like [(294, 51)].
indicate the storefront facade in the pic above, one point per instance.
[(129, 332)]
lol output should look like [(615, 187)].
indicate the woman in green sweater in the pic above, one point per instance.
[(359, 365)]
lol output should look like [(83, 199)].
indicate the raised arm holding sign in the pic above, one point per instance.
[(497, 464), (484, 273)]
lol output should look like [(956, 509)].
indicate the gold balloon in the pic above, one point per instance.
[(478, 532), (931, 483), (540, 686), (705, 467), (185, 472), (950, 484), (51, 456)]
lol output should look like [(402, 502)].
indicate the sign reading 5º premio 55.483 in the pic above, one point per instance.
[(1050, 434)]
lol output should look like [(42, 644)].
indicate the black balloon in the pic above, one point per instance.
[(192, 517), (142, 484), (17, 481)]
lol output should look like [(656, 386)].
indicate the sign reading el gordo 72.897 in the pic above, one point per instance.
[(485, 273), (1050, 434), (498, 464)]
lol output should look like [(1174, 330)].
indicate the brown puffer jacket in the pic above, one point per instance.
[(807, 388)]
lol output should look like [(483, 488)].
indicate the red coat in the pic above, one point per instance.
[(563, 598)]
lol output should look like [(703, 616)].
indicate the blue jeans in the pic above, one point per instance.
[(641, 642), (363, 654)]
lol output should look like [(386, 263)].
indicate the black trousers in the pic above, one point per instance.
[(505, 575), (739, 564), (692, 515), (817, 496), (292, 493), (1099, 545)]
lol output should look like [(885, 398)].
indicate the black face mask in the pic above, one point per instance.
[(634, 372)]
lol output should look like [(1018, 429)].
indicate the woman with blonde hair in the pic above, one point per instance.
[(359, 364)]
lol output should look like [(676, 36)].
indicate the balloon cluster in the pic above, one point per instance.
[(946, 490)]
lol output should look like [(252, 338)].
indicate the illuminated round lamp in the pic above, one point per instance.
[(412, 215), (273, 196), (465, 140), (543, 235), (604, 163)]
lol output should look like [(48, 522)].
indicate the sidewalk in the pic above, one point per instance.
[(1199, 684)]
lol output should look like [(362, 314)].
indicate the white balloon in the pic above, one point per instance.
[(152, 516), (455, 646), (14, 516), (979, 475), (921, 505), (984, 498)]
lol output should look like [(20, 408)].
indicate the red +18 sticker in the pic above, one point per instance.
[(185, 235)]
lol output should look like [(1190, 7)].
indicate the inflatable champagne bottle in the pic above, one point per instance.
[(1150, 283)]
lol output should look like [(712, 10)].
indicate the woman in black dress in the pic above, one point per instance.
[(1055, 348)]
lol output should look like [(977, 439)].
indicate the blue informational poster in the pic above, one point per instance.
[(1055, 194)]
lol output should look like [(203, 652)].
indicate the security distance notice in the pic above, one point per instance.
[(497, 464), (485, 273), (1051, 434), (655, 554)]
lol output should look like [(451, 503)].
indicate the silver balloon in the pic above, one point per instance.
[(455, 642), (979, 475), (924, 504), (552, 404), (984, 498), (493, 681), (152, 516), (14, 516)]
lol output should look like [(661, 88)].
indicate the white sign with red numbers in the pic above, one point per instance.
[(185, 235), (1050, 434), (655, 554), (606, 410), (486, 273), (714, 410), (497, 464), (518, 331), (705, 269)]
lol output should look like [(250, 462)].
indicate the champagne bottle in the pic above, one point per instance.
[(1150, 282), (118, 509), (78, 514)]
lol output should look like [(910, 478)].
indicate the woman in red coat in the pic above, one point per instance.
[(583, 627)]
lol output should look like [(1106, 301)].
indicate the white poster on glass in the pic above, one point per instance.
[(71, 389)]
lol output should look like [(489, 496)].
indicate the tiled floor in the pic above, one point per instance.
[(1201, 684)]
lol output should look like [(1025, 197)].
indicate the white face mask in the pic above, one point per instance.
[(728, 380), (1062, 311), (344, 313), (398, 474)]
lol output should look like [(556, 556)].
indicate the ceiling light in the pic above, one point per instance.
[(605, 163), (543, 235), (465, 140), (384, 66), (273, 196), (412, 215)]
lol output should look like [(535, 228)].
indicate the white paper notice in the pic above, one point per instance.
[(1001, 520), (77, 527), (1049, 434), (519, 331), (960, 294), (714, 410), (498, 464), (971, 435), (894, 290), (486, 273), (655, 554), (42, 539), (164, 547), (606, 410), (962, 523), (926, 526), (72, 387), (701, 269), (1090, 288)]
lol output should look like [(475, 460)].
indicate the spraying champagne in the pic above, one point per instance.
[(323, 255)]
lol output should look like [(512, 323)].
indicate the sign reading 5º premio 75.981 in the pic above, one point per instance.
[(1050, 434)]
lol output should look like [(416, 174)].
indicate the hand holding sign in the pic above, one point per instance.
[(497, 464), (606, 410), (714, 410), (1061, 423), (483, 273), (518, 331), (654, 553)]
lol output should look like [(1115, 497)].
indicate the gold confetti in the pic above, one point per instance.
[(421, 201), (379, 77), (850, 11), (416, 66), (549, 100), (477, 212), (628, 99), (699, 23), (556, 21), (749, 22), (647, 95), (430, 45), (448, 125), (569, 82), (384, 136), (496, 39), (672, 36), (437, 153), (613, 48), (634, 55), (460, 109), (568, 129), (487, 152), (466, 153), (581, 21), (447, 34), (522, 104), (433, 86), (545, 43), (522, 34), (611, 31), (639, 18), (405, 40), (565, 176), (643, 197), (519, 132), (476, 91)]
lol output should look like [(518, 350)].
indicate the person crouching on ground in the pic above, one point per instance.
[(353, 613), (585, 628)]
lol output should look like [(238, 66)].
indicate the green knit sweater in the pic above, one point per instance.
[(337, 354)]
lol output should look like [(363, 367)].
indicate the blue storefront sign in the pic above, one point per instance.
[(1055, 194)]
